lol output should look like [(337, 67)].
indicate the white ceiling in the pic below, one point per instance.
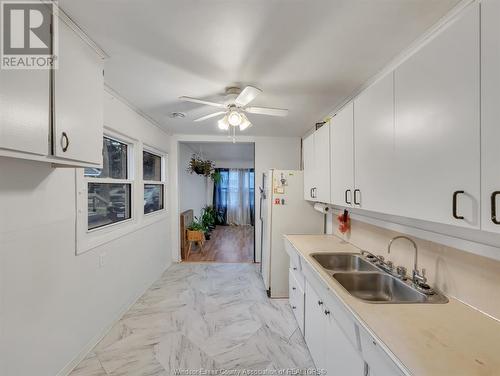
[(307, 56), (223, 151)]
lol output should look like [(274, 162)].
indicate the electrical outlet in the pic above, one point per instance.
[(102, 260)]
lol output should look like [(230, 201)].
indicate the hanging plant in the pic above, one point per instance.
[(200, 166)]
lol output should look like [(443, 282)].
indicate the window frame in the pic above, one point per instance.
[(87, 240), (129, 180), (163, 159)]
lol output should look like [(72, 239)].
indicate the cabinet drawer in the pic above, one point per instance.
[(297, 275), (378, 361), (296, 299)]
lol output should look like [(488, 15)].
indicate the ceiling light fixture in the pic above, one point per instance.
[(223, 124), (234, 118), (245, 123)]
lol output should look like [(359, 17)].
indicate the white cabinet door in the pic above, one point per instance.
[(342, 156), (78, 114), (309, 168), (314, 327), (374, 147), (490, 114), (437, 127), (341, 357), (322, 164), (25, 111)]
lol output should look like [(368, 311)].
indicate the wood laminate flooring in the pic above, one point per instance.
[(201, 317), (227, 244)]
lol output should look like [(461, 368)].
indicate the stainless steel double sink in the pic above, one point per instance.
[(364, 280)]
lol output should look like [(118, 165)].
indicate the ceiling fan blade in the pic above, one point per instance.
[(246, 96), (201, 101), (267, 111), (210, 116)]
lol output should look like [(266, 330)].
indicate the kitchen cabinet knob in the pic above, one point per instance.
[(356, 191), (294, 268), (320, 302), (293, 288), (294, 307), (494, 208), (64, 142), (327, 312), (455, 195)]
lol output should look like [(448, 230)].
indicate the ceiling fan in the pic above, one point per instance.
[(235, 107)]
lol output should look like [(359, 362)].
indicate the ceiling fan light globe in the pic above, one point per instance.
[(223, 124), (234, 118), (244, 125)]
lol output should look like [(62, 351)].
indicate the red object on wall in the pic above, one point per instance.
[(344, 222)]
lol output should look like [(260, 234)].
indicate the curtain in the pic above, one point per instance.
[(234, 196)]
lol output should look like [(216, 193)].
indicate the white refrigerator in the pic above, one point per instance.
[(283, 210)]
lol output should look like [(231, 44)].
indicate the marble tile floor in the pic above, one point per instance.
[(201, 317)]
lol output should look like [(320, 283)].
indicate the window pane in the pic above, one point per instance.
[(114, 156), (151, 166), (108, 203), (153, 197)]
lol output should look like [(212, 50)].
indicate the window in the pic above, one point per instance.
[(153, 177), (109, 188)]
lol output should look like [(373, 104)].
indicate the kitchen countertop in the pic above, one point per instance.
[(428, 339)]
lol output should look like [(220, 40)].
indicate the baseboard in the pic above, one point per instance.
[(68, 368)]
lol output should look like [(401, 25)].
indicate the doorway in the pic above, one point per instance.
[(217, 201)]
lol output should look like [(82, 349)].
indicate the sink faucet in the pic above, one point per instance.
[(418, 278)]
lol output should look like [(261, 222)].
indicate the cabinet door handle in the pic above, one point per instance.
[(345, 196), (64, 142), (294, 307), (356, 191), (320, 302), (294, 288), (494, 208), (327, 312), (455, 195)]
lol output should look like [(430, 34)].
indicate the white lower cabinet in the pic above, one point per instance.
[(296, 299), (379, 363), (329, 347)]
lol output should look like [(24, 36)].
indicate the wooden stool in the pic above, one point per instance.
[(197, 237)]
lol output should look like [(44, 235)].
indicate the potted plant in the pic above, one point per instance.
[(208, 217), (195, 231), (199, 166)]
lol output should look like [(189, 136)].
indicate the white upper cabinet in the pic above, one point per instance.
[(316, 154), (78, 112), (25, 111), (490, 114), (437, 132), (322, 164), (342, 156), (374, 148), (308, 161)]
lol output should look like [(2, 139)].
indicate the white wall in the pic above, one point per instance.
[(192, 187), (234, 164), (270, 152), (53, 304)]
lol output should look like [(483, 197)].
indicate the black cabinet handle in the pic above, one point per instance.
[(494, 207), (345, 196), (64, 142), (311, 193), (327, 312), (356, 191), (320, 302), (455, 195)]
